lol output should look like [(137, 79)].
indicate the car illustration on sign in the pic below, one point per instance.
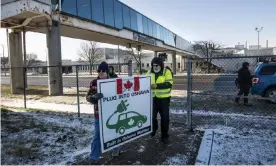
[(125, 120), (129, 120)]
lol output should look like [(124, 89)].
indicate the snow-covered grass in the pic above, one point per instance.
[(32, 104), (178, 159), (247, 146), (218, 114), (44, 137)]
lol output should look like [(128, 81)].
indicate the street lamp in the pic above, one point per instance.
[(4, 62), (258, 30)]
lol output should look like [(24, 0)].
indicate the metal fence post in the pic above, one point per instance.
[(78, 91), (189, 93), (129, 68), (24, 88)]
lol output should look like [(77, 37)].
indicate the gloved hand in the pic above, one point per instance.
[(98, 96), (94, 98)]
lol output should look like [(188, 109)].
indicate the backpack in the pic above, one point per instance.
[(167, 67)]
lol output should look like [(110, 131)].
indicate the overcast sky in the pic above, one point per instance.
[(225, 21)]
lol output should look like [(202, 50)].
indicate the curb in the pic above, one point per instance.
[(205, 150)]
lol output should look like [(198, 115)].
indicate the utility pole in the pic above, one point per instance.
[(258, 30), (4, 61), (119, 68)]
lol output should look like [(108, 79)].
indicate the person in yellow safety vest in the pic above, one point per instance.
[(161, 84)]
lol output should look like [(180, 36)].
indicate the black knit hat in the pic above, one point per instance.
[(158, 61), (103, 67), (245, 64)]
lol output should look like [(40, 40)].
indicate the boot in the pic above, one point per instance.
[(115, 152), (165, 140), (237, 103), (247, 104), (153, 134)]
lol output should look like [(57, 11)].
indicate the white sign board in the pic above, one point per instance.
[(125, 111)]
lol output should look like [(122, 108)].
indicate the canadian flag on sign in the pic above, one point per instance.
[(128, 85)]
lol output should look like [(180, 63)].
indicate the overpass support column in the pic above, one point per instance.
[(155, 53), (181, 64), (54, 59), (184, 63), (16, 62), (174, 62)]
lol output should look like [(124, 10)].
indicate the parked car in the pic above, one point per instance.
[(264, 81)]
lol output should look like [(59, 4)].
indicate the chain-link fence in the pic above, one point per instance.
[(206, 88), (42, 83), (214, 88)]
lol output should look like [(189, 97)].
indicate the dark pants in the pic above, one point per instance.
[(244, 90), (161, 105)]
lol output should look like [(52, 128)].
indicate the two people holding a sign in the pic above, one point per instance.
[(161, 86), (93, 97), (161, 81)]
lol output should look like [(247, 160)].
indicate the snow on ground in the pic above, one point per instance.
[(141, 149), (44, 137), (85, 108), (64, 138), (219, 114), (248, 146), (176, 160)]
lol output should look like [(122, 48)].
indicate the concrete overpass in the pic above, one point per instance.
[(106, 21)]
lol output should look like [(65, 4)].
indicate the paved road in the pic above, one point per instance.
[(200, 82)]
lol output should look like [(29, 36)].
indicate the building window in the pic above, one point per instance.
[(118, 13), (150, 27), (143, 65), (158, 31), (133, 20), (69, 6), (178, 65), (162, 33), (140, 23), (126, 16), (97, 11), (154, 29), (145, 25), (137, 65), (84, 9), (108, 12), (147, 64)]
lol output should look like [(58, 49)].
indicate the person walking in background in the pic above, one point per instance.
[(93, 97), (244, 82), (112, 74), (161, 84)]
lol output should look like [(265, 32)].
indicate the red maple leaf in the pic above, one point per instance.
[(128, 85)]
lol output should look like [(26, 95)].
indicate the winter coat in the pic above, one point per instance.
[(244, 77), (90, 97)]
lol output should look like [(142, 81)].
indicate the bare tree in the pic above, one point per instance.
[(207, 49), (137, 56), (4, 62), (90, 52), (31, 59)]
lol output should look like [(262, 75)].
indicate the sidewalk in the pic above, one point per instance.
[(32, 104), (228, 146)]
